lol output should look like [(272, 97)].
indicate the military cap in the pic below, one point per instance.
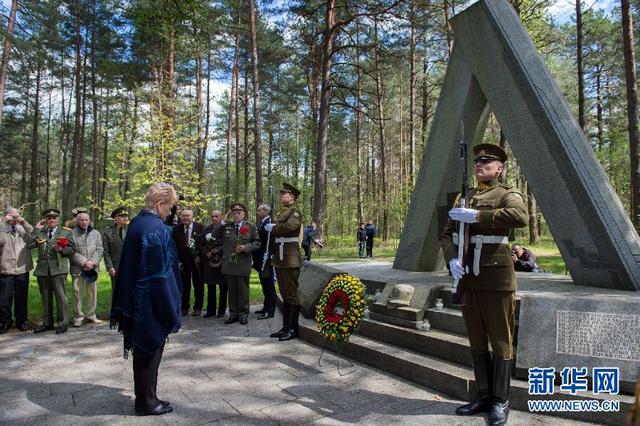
[(238, 206), (89, 276), (489, 151), (78, 210), (51, 212), (290, 188), (120, 211)]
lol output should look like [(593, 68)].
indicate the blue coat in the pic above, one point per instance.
[(146, 295)]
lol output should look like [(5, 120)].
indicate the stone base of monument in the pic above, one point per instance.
[(440, 358)]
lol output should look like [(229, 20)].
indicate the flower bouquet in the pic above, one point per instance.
[(243, 232), (62, 243)]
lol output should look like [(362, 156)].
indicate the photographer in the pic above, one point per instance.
[(15, 264), (211, 253), (523, 259)]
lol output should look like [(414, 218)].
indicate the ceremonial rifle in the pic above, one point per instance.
[(265, 257), (462, 243)]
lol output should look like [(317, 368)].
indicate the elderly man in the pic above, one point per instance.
[(489, 283), (146, 318), (112, 240), (211, 255), (262, 264), (15, 264), (187, 236), (55, 247), (239, 239), (85, 265)]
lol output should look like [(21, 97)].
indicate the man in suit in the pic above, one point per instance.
[(112, 241), (55, 246), (239, 239), (85, 264), (211, 256), (262, 264), (187, 238)]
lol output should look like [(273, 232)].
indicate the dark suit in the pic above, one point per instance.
[(190, 270), (213, 274), (267, 275)]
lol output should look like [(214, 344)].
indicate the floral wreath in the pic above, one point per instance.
[(341, 308)]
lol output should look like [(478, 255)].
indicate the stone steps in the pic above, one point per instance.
[(410, 357), (447, 319), (435, 343)]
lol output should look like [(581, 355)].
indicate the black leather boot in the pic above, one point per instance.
[(285, 320), (482, 370), (292, 331), (499, 411)]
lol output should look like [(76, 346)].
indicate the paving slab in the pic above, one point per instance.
[(213, 374)]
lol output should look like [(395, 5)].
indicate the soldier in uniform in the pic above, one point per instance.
[(489, 283), (239, 238), (55, 246), (112, 241), (286, 258)]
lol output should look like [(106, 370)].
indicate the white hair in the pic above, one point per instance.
[(266, 207)]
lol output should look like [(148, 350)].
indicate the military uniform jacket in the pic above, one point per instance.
[(112, 245), (501, 209), (288, 225), (230, 239), (47, 264), (88, 246)]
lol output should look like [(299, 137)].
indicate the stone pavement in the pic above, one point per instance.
[(213, 374)]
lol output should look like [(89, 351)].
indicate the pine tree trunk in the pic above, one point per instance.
[(320, 185), (358, 118), (105, 151), (381, 128), (257, 144), (245, 187), (95, 170), (33, 179), (412, 95), (632, 110), (6, 53), (580, 63)]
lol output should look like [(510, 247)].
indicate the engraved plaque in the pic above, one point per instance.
[(601, 335)]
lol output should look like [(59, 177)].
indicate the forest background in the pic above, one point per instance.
[(226, 99)]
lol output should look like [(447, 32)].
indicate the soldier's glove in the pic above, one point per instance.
[(457, 271), (269, 226), (464, 215)]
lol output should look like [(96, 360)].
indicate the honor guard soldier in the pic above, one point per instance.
[(487, 278), (287, 260), (55, 246)]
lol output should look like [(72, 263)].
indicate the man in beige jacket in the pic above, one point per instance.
[(84, 269), (15, 264)]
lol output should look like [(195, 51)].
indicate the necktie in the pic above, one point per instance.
[(186, 233), (50, 233), (237, 228), (120, 233), (13, 228)]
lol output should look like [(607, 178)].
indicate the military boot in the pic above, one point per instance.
[(482, 369), (499, 410), (292, 331), (285, 320)]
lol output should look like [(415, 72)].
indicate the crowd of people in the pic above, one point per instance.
[(219, 256)]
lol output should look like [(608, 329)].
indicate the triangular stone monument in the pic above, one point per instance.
[(495, 66)]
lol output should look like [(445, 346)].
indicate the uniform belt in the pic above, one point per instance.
[(280, 241), (478, 241)]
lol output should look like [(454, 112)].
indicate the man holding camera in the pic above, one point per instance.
[(211, 255), (15, 264)]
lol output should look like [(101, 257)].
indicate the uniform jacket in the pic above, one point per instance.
[(48, 258), (288, 224), (88, 246), (209, 272), (230, 238), (501, 209), (15, 257), (184, 252), (112, 245)]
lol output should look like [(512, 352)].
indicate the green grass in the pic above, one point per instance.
[(104, 296)]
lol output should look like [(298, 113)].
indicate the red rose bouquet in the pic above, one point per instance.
[(242, 232), (62, 243)]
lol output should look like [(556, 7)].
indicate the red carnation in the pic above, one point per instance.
[(62, 242), (244, 230)]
